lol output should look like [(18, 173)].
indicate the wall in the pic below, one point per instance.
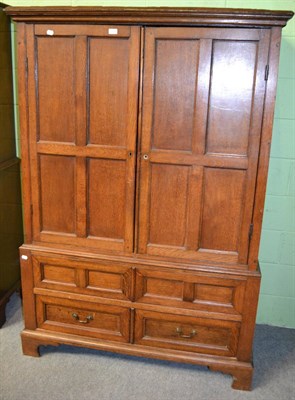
[(277, 252)]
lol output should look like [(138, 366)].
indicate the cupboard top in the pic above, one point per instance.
[(152, 16)]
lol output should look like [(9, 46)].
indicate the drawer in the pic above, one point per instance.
[(199, 335), (81, 318), (193, 290), (101, 279)]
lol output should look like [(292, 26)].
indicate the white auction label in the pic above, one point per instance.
[(113, 31)]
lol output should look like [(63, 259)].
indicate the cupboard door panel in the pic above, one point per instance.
[(106, 198), (203, 212), (168, 204), (57, 181), (56, 101), (232, 84), (174, 98), (108, 91), (222, 209)]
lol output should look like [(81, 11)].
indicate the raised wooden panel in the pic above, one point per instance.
[(57, 187), (173, 112), (213, 293), (112, 281), (106, 198), (50, 273), (93, 278), (164, 287), (191, 290), (55, 274), (186, 333), (231, 96), (108, 280), (81, 318), (168, 204), (108, 91), (56, 88), (222, 209)]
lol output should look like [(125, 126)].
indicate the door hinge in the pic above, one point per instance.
[(266, 72), (250, 231)]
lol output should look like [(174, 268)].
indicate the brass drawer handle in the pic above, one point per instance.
[(191, 335), (82, 321)]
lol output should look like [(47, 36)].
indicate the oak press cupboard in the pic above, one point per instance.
[(145, 147)]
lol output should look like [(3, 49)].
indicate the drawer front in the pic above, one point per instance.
[(199, 335), (104, 280), (79, 318), (191, 290)]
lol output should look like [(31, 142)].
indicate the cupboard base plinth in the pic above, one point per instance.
[(30, 346), (241, 371), (242, 376)]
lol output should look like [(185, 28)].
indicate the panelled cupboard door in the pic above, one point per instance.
[(203, 94), (83, 90)]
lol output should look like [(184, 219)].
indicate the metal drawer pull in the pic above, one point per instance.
[(191, 335), (84, 321)]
